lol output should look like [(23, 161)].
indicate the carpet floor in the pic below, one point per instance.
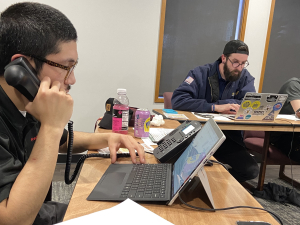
[(61, 192), (288, 213)]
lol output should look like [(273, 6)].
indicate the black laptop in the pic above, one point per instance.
[(159, 182)]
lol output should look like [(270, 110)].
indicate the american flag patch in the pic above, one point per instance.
[(189, 80)]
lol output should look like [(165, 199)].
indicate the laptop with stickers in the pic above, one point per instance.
[(260, 107), (159, 182)]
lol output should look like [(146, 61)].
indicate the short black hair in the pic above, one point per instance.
[(32, 29)]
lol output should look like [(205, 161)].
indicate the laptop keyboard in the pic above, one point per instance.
[(147, 181)]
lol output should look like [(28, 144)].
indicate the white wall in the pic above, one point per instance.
[(255, 35), (117, 45)]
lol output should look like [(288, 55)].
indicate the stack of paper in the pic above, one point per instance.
[(127, 212)]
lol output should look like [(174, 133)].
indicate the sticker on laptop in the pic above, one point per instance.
[(252, 96), (267, 107), (247, 117), (258, 112), (240, 117), (270, 116), (248, 111), (255, 104), (282, 98), (246, 104), (277, 106), (272, 98)]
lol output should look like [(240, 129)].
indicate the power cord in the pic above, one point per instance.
[(69, 180), (290, 157), (228, 208), (214, 161), (234, 207)]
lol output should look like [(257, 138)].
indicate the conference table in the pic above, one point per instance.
[(284, 125), (226, 192), (276, 125)]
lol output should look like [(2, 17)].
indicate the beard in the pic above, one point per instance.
[(231, 75)]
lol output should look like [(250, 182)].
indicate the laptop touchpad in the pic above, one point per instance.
[(110, 186)]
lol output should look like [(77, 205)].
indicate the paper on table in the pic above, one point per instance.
[(176, 116), (106, 150), (147, 148), (127, 212), (148, 141), (285, 116), (156, 134), (214, 116)]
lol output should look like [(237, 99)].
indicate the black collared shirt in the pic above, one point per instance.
[(17, 138)]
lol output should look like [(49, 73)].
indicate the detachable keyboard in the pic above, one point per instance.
[(148, 181)]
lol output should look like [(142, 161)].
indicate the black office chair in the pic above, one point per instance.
[(254, 141)]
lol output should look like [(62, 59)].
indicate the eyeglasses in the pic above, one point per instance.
[(236, 64), (51, 63)]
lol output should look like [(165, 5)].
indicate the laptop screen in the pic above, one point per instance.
[(194, 154)]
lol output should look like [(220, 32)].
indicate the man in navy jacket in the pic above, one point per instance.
[(219, 88)]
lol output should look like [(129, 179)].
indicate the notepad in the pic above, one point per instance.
[(172, 111)]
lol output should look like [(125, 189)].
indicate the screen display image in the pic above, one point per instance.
[(193, 155), (188, 129)]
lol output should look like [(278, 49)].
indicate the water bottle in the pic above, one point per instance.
[(120, 112)]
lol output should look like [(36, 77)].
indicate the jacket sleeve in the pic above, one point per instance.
[(186, 96), (247, 85)]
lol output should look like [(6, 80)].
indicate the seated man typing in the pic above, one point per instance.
[(219, 88), (31, 132), (287, 142)]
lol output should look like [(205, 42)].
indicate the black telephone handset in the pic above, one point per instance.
[(22, 76)]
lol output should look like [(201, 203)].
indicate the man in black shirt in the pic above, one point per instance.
[(31, 132), (283, 140)]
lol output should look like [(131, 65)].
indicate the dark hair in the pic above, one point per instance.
[(236, 46), (32, 29), (240, 49)]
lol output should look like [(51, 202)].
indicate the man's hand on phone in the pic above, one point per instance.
[(51, 106)]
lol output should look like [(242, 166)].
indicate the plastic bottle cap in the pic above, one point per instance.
[(121, 91)]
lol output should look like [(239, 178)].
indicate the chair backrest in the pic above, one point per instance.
[(254, 134), (167, 100), (254, 141)]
